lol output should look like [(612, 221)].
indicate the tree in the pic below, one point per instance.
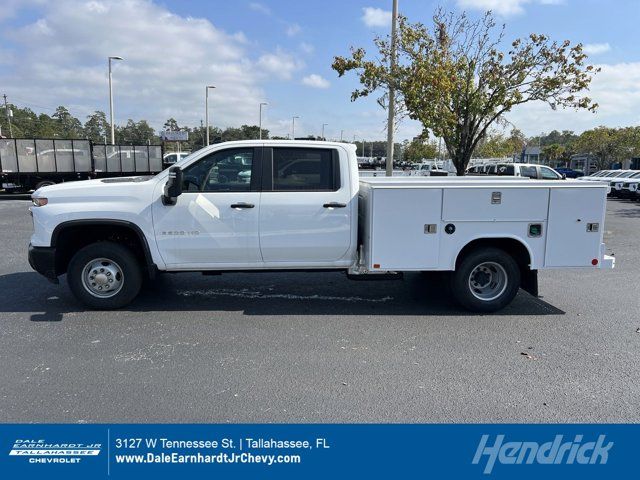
[(602, 143), (67, 126), (136, 133), (418, 149), (457, 82), (171, 125), (96, 128), (553, 152)]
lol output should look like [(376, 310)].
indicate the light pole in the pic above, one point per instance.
[(341, 134), (363, 147), (260, 121), (206, 109), (391, 102), (293, 127), (323, 125), (113, 133)]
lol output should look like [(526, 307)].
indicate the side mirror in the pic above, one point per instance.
[(564, 176), (173, 187)]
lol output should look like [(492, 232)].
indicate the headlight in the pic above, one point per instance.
[(39, 201)]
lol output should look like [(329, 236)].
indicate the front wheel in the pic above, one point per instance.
[(486, 280), (104, 275)]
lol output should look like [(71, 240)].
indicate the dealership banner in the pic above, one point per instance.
[(122, 451)]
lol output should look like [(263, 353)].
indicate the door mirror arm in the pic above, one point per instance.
[(173, 187)]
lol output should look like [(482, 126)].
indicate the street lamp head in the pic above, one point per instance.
[(211, 86), (264, 103), (115, 57)]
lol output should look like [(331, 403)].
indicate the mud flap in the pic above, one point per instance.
[(529, 281)]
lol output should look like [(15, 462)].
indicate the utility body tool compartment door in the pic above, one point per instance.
[(405, 228), (571, 238), (496, 203)]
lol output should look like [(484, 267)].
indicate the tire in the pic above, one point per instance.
[(486, 280), (44, 183), (98, 270)]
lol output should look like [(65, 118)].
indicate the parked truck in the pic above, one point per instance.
[(300, 205)]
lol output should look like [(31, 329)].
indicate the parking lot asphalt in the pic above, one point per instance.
[(301, 347)]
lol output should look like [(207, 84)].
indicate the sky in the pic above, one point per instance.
[(280, 52)]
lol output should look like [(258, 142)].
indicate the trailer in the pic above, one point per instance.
[(31, 163)]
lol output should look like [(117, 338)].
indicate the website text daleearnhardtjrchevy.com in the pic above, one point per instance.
[(226, 458)]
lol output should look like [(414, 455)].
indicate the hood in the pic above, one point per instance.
[(105, 189)]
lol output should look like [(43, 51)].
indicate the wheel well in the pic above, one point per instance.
[(71, 238), (512, 246)]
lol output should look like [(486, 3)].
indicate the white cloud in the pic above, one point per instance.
[(596, 48), (503, 7), (376, 17), (259, 7), (617, 91), (61, 59), (307, 48), (293, 29), (316, 81), (280, 64)]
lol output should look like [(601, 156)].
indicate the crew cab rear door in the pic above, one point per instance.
[(306, 206)]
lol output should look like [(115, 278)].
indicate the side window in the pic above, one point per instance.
[(529, 172), (222, 171), (548, 174), (505, 169), (305, 169)]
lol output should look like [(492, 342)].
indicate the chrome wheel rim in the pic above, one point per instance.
[(487, 281), (102, 277)]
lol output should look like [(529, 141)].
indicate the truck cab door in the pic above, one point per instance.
[(214, 223), (306, 208)]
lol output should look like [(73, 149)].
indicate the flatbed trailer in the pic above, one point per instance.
[(30, 163)]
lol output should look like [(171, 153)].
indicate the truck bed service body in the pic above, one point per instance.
[(300, 205)]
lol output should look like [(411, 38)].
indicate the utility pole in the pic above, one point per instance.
[(113, 135), (8, 113), (323, 125), (341, 134), (206, 109), (391, 102), (293, 127), (363, 147), (260, 121)]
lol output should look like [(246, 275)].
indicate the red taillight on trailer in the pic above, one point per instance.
[(594, 262)]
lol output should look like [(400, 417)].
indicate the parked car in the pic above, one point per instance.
[(171, 158), (305, 208), (625, 187), (569, 172), (529, 170)]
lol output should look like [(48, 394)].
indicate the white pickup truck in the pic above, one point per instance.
[(300, 205)]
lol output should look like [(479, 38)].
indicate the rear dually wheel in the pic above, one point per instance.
[(486, 280)]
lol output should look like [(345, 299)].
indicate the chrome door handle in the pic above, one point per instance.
[(242, 205), (334, 205)]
